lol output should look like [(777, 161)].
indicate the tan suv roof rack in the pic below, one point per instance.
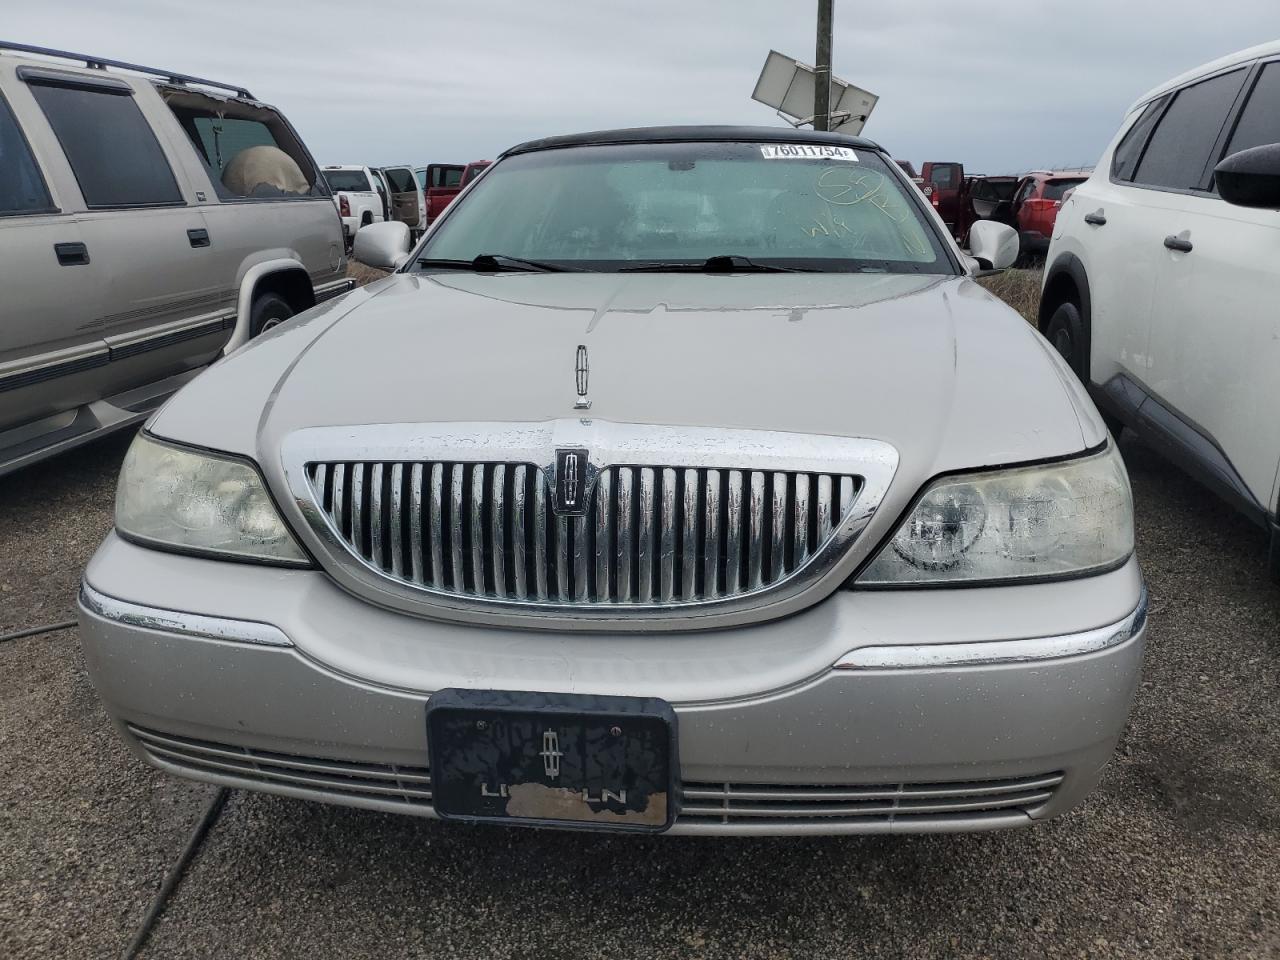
[(101, 63)]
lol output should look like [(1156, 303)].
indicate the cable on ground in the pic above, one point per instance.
[(36, 631), (176, 871)]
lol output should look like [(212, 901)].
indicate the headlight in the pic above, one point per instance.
[(1054, 520), (199, 502)]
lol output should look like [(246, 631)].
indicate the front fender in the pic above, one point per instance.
[(1069, 265)]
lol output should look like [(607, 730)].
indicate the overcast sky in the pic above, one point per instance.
[(1001, 86)]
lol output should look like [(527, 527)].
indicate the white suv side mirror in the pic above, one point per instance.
[(384, 246), (1251, 178), (993, 245)]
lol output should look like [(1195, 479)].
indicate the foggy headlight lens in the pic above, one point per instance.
[(199, 502), (1053, 520), (943, 527)]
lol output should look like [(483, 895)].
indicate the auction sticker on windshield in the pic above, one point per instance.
[(806, 151)]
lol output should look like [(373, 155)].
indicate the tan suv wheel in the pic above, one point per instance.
[(269, 310)]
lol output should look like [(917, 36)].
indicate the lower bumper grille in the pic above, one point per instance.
[(705, 804), (388, 782), (765, 804)]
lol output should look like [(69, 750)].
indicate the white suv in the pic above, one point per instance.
[(1161, 280)]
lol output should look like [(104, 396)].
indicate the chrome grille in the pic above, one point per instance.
[(650, 534), (762, 804)]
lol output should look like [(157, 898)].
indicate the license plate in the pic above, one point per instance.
[(553, 759)]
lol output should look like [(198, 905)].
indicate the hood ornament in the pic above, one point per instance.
[(582, 374)]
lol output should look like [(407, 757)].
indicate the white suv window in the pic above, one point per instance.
[(1129, 150), (22, 188), (1260, 120), (1176, 155)]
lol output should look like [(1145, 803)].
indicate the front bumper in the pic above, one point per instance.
[(282, 682)]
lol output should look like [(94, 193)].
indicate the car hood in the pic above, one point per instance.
[(932, 364)]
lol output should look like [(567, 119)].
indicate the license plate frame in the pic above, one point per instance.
[(525, 758)]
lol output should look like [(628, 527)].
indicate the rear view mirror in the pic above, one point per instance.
[(384, 246), (993, 245), (1251, 178)]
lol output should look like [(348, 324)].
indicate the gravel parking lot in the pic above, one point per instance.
[(1174, 856)]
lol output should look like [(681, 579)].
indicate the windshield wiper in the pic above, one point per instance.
[(725, 263), (498, 263)]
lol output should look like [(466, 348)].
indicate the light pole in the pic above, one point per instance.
[(822, 68)]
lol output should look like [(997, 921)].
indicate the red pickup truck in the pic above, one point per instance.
[(944, 186), (441, 182)]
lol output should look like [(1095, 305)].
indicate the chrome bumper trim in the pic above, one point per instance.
[(188, 624), (986, 653)]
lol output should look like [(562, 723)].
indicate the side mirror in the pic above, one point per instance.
[(993, 245), (384, 246), (1251, 178)]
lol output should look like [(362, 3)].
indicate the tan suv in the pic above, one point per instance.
[(149, 222)]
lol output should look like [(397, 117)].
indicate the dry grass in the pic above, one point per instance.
[(1020, 289), (362, 274)]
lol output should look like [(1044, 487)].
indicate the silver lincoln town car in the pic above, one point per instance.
[(679, 479)]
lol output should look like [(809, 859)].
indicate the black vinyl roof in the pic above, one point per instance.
[(693, 134)]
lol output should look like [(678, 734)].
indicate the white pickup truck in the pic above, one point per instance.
[(356, 197)]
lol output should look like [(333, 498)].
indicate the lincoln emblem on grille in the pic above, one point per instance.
[(571, 481), (551, 754), (582, 374)]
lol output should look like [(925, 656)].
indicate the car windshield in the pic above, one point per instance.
[(347, 180), (1054, 189), (632, 206)]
